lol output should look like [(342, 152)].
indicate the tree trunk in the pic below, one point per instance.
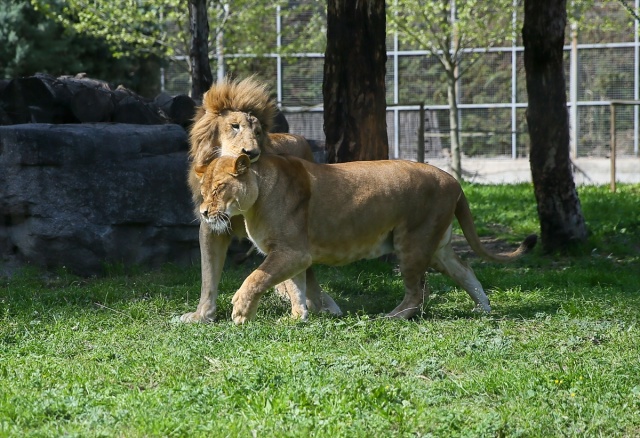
[(201, 76), (559, 211), (454, 127), (354, 81)]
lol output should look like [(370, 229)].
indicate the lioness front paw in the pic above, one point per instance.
[(196, 317), (244, 309)]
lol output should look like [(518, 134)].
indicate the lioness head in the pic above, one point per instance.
[(227, 190), (234, 119)]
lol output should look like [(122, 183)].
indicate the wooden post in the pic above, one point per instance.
[(420, 157), (612, 108)]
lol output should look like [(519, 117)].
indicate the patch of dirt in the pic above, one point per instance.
[(493, 244)]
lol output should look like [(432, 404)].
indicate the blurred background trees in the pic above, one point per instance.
[(31, 41), (128, 42), (143, 45), (444, 29)]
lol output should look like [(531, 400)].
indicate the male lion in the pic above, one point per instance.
[(235, 118), (299, 213)]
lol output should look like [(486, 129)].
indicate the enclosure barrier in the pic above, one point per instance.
[(612, 107)]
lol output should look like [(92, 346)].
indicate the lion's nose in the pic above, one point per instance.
[(253, 153), (204, 212)]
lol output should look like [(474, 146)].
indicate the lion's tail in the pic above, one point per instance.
[(463, 214)]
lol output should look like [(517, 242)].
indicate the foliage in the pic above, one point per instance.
[(128, 26), (31, 42), (559, 355), (601, 20), (304, 26), (27, 42), (160, 27), (633, 12), (444, 29)]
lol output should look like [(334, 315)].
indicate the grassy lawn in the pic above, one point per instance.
[(558, 356)]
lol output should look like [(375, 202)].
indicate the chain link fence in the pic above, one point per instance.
[(492, 98)]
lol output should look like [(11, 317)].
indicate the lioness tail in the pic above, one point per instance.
[(463, 214)]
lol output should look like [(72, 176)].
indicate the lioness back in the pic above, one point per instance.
[(356, 208), (350, 211)]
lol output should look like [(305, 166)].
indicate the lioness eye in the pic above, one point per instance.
[(235, 126)]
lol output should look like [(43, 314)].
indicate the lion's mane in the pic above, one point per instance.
[(248, 95)]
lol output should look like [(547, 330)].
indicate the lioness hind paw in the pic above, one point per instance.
[(195, 317), (300, 313), (330, 306), (479, 308)]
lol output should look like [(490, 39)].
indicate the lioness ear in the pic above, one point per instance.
[(200, 170), (242, 164)]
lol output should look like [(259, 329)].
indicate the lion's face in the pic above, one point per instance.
[(227, 190), (240, 133), (235, 118), (229, 133)]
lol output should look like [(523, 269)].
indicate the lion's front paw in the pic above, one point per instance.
[(244, 309), (196, 317)]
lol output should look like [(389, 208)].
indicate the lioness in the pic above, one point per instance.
[(299, 213), (235, 118)]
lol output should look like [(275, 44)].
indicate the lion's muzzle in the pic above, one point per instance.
[(253, 154), (218, 221)]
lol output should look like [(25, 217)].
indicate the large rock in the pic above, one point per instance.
[(85, 196), (43, 98)]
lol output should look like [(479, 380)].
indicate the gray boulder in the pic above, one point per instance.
[(85, 196)]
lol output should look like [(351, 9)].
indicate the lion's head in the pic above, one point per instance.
[(234, 119), (226, 189)]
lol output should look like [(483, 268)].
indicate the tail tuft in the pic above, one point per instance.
[(529, 243)]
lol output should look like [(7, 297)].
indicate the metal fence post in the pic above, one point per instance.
[(612, 108), (420, 157)]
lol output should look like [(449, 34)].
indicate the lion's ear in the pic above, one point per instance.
[(200, 170), (241, 164)]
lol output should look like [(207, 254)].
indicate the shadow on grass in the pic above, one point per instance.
[(525, 289)]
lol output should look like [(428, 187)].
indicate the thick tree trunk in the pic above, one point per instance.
[(354, 81), (201, 76), (559, 210)]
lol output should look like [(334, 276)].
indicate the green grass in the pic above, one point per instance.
[(558, 356)]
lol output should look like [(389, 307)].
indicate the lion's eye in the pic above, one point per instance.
[(235, 126), (221, 187)]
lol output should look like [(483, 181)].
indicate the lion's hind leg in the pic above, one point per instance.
[(447, 261), (414, 249), (414, 261), (317, 299), (416, 290)]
